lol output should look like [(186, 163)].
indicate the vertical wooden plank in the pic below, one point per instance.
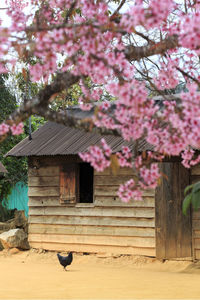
[(165, 217), (171, 195), (173, 235), (184, 237), (160, 211)]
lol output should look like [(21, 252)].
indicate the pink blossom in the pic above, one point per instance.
[(97, 157), (107, 150), (149, 176), (92, 46), (168, 76), (129, 191), (124, 157), (4, 128), (17, 129)]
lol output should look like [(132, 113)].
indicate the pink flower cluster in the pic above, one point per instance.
[(102, 119), (149, 176), (15, 129), (98, 157), (189, 30), (124, 157), (4, 128), (147, 179), (188, 160), (167, 76), (93, 46), (130, 191), (149, 16)]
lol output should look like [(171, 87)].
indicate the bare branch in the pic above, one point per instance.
[(40, 102), (136, 53), (144, 37), (188, 76), (102, 28), (63, 117), (70, 11), (118, 9)]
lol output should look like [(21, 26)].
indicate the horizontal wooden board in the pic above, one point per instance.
[(196, 233), (196, 243), (37, 181), (195, 170), (116, 201), (120, 171), (91, 230), (196, 215), (99, 201), (111, 190), (44, 191), (111, 180), (98, 221), (194, 178), (45, 161), (146, 242), (84, 204), (54, 201), (94, 248), (44, 171), (44, 201), (196, 224), (197, 254), (146, 212)]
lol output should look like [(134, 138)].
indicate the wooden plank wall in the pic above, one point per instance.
[(107, 225), (173, 229), (195, 176)]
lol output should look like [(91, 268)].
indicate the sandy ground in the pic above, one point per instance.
[(33, 275)]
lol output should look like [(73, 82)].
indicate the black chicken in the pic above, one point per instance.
[(65, 260)]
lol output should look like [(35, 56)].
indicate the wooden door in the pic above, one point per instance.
[(69, 183), (173, 229)]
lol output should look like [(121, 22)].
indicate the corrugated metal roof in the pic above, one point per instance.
[(2, 168), (57, 139)]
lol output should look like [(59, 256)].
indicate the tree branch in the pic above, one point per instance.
[(136, 53), (70, 11), (68, 119), (41, 101), (116, 12), (188, 76)]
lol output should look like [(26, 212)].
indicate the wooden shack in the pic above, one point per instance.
[(74, 208)]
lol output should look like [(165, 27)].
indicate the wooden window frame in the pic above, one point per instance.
[(70, 184)]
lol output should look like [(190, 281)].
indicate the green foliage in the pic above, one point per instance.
[(192, 196), (7, 101), (72, 95), (16, 167), (67, 98), (22, 85)]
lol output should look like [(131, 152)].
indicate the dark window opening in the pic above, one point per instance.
[(85, 183)]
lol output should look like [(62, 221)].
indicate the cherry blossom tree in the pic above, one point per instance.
[(131, 50)]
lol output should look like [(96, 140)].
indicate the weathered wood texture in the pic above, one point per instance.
[(107, 225), (195, 176), (173, 229), (94, 248), (91, 230)]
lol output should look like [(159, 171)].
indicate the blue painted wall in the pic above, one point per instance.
[(18, 198)]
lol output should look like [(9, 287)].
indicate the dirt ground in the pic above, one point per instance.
[(33, 275)]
